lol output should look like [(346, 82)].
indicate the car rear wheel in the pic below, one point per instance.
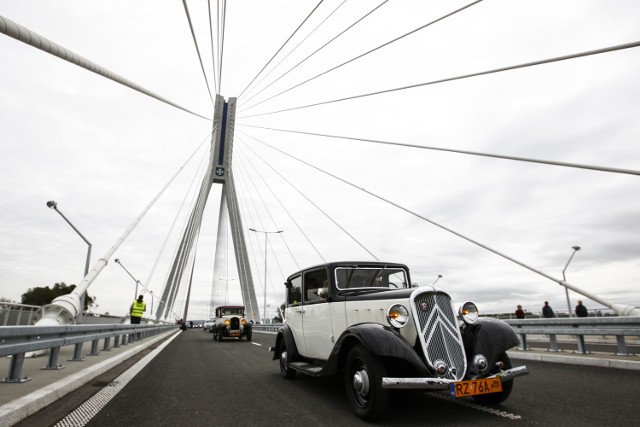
[(363, 381), (285, 370), (496, 398), (249, 332)]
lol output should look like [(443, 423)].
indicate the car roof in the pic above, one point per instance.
[(332, 265)]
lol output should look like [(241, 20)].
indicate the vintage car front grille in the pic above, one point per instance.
[(234, 323), (438, 332)]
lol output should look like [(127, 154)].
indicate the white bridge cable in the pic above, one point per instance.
[(278, 51), (362, 55), (464, 76), (168, 291), (313, 53), (213, 51), (180, 209), (293, 50), (102, 262), (243, 157), (31, 38), (305, 196), (195, 43), (246, 176), (417, 215), (222, 11), (249, 195), (253, 258), (453, 150)]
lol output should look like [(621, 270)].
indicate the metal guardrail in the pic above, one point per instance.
[(579, 327), (17, 341), (12, 314)]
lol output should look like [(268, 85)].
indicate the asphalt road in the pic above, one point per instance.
[(196, 381)]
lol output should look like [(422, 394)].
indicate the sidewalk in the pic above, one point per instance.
[(601, 359), (21, 400)]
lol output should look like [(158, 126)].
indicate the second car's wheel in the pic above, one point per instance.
[(363, 381), (219, 335), (495, 398), (285, 370)]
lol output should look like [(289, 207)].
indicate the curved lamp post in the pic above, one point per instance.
[(266, 236), (566, 290), (54, 205)]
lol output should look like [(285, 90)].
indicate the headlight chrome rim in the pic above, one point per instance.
[(468, 312), (398, 316)]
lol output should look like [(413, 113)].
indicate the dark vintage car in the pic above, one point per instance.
[(364, 320), (230, 322)]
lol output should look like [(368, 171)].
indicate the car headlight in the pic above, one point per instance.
[(227, 322), (244, 321), (468, 312), (398, 315)]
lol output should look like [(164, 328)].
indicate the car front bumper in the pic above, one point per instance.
[(442, 383)]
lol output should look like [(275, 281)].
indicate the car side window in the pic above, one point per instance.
[(295, 292), (316, 286)]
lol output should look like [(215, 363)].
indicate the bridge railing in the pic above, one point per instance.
[(12, 314), (17, 341), (614, 329), (618, 328)]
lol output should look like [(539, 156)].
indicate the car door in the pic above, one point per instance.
[(316, 316), (293, 312)]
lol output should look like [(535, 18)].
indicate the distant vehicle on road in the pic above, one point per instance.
[(365, 321), (230, 322)]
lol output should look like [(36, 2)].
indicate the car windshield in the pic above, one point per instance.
[(371, 277), (230, 311)]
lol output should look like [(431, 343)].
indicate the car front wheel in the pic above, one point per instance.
[(496, 398), (363, 381), (219, 335)]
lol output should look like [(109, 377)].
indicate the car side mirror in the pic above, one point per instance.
[(287, 285)]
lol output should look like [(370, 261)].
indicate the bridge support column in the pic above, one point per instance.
[(553, 343), (53, 359), (77, 353), (582, 348), (622, 346), (15, 370)]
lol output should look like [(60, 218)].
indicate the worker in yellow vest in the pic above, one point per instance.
[(138, 307)]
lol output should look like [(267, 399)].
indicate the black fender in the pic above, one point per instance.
[(490, 337), (285, 335), (382, 341)]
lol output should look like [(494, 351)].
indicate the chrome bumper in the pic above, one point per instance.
[(443, 384)]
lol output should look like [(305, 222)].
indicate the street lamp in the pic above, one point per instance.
[(136, 280), (437, 278), (266, 236), (564, 279), (54, 205)]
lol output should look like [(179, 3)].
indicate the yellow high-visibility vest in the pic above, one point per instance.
[(137, 308)]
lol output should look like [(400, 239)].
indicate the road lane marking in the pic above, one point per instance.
[(85, 412)]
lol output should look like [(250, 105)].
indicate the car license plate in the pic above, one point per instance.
[(475, 387)]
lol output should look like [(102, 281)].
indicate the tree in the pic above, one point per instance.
[(43, 296)]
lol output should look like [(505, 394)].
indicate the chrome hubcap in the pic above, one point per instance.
[(361, 382)]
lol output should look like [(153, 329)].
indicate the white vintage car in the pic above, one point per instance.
[(364, 319), (230, 322)]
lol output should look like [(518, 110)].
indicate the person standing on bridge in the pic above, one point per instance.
[(581, 310), (520, 312), (547, 311), (138, 307)]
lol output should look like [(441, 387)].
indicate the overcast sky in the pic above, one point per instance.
[(104, 151)]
